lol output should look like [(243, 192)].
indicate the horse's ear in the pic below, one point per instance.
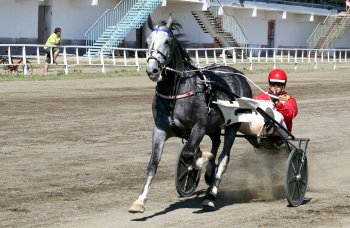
[(150, 22), (169, 22)]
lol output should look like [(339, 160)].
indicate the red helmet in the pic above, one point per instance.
[(277, 75)]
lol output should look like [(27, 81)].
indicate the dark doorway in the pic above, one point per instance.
[(44, 23), (271, 35)]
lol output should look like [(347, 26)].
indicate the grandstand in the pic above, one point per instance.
[(322, 4)]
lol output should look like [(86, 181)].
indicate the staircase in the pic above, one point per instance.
[(113, 26), (222, 27), (327, 32)]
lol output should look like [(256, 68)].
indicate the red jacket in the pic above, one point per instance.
[(286, 105)]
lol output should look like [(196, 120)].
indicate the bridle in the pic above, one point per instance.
[(155, 54)]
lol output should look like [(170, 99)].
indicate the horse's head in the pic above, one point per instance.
[(160, 48)]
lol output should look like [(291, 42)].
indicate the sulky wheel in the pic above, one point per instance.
[(186, 177), (296, 177)]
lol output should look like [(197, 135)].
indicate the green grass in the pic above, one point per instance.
[(74, 74), (95, 72)]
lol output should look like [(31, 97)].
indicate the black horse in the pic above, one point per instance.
[(182, 106)]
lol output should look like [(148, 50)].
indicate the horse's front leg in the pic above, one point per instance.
[(196, 136), (224, 159), (158, 140)]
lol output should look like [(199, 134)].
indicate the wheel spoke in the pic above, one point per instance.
[(302, 182), (294, 187), (197, 176), (183, 174), (293, 168), (185, 185), (184, 163), (298, 191), (292, 181)]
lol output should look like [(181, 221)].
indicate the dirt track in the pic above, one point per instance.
[(74, 153)]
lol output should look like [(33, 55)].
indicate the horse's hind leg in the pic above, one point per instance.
[(159, 138), (224, 159), (211, 166)]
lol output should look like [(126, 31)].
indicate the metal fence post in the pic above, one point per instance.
[(137, 60), (24, 57), (102, 61), (65, 62)]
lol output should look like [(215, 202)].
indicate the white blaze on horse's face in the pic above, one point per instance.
[(159, 50)]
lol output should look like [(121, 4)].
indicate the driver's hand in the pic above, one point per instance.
[(284, 97), (274, 100)]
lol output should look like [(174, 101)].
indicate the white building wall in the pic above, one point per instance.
[(344, 41), (258, 35), (75, 17), (182, 14), (291, 34), (255, 28), (19, 18)]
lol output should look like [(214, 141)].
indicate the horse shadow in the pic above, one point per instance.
[(247, 195), (225, 198), (193, 202)]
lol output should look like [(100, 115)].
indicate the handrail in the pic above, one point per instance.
[(101, 17), (319, 31), (229, 23), (113, 26), (312, 34), (92, 26), (333, 35), (109, 18)]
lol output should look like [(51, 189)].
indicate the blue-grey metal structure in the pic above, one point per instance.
[(113, 26)]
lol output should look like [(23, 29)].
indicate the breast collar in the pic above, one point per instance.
[(178, 96)]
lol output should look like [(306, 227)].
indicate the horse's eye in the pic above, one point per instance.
[(167, 42)]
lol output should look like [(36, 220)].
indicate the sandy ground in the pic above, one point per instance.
[(73, 153)]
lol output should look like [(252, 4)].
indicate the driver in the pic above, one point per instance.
[(281, 106)]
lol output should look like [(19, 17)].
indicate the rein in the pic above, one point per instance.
[(223, 72)]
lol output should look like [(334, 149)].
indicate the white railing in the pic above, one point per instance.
[(72, 56), (272, 56), (249, 58)]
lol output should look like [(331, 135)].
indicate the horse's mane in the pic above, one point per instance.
[(177, 31)]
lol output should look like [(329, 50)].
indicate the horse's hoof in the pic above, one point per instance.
[(208, 203), (136, 208)]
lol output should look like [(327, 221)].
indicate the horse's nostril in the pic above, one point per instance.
[(155, 71)]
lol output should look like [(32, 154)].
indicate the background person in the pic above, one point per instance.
[(55, 40)]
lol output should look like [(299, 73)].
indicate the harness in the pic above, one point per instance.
[(152, 52), (178, 96), (163, 61)]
